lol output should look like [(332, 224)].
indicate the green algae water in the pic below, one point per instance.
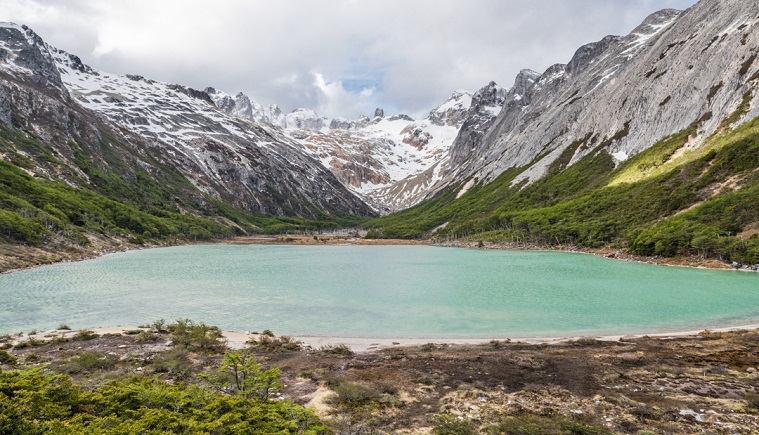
[(377, 291)]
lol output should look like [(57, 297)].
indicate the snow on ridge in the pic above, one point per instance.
[(642, 38), (460, 100), (151, 108), (11, 25)]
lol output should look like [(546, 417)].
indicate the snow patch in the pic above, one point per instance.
[(642, 38)]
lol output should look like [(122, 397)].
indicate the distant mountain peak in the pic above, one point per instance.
[(452, 111)]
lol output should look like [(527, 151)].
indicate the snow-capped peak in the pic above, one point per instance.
[(453, 110)]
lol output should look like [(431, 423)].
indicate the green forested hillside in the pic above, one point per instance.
[(103, 195), (668, 200)]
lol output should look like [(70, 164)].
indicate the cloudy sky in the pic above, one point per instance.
[(339, 57)]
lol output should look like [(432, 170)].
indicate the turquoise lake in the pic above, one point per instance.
[(377, 291)]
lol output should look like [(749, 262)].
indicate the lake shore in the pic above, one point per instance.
[(673, 383), (606, 252), (17, 257), (240, 339), (362, 344)]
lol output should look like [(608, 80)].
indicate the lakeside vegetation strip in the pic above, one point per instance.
[(165, 378), (239, 339)]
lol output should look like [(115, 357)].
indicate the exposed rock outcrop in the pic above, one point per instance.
[(624, 93)]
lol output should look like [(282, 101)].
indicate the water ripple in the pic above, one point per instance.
[(376, 291)]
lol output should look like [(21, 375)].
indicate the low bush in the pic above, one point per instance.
[(752, 400), (175, 362), (356, 395), (6, 358), (271, 343), (339, 349), (197, 336), (89, 361), (30, 342), (159, 325), (449, 425), (146, 337), (531, 424), (84, 335)]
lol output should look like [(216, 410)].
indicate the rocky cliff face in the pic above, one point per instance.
[(251, 166), (241, 106), (622, 94)]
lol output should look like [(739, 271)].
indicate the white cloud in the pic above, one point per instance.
[(336, 56), (336, 101)]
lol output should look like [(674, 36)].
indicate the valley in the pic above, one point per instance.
[(539, 164), (641, 148)]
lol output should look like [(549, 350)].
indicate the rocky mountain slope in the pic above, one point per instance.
[(623, 93), (91, 161), (389, 161), (648, 143), (251, 166)]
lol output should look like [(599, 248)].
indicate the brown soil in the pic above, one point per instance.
[(692, 384)]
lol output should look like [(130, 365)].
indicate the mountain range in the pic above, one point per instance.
[(645, 142)]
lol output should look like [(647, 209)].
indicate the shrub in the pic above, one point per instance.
[(752, 400), (354, 395), (339, 349), (30, 342), (175, 362), (84, 335), (146, 337), (89, 361), (159, 325), (275, 344), (197, 336), (530, 424), (6, 358), (448, 425), (242, 375), (59, 340)]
